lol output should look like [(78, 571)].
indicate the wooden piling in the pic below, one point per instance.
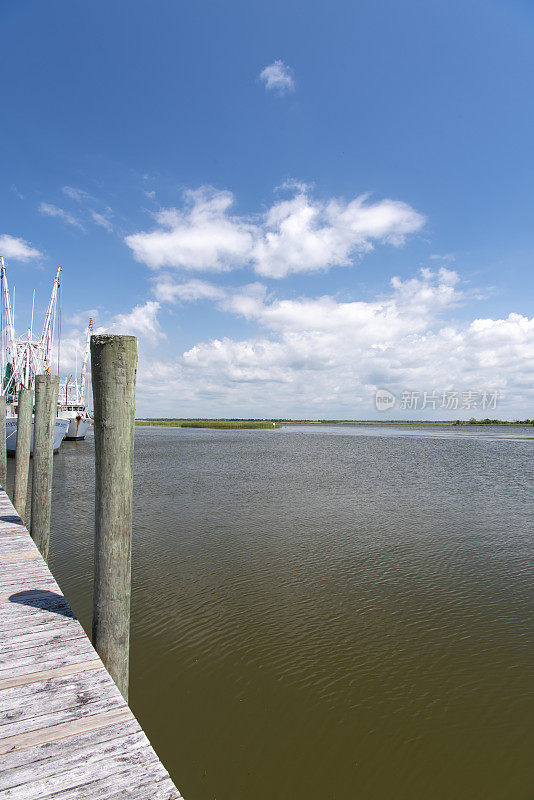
[(3, 453), (113, 366), (46, 394), (22, 453)]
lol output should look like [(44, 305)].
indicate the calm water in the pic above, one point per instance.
[(333, 613)]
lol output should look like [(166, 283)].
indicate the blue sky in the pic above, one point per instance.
[(239, 183)]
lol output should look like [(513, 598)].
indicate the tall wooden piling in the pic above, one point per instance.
[(3, 453), (22, 453), (46, 394), (113, 366)]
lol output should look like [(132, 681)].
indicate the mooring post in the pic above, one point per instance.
[(44, 426), (3, 453), (113, 367), (22, 452)]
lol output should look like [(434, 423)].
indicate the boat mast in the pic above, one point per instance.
[(47, 339), (85, 361), (9, 349), (7, 305)]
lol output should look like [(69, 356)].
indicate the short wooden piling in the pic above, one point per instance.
[(3, 453), (46, 394), (113, 366), (22, 453)]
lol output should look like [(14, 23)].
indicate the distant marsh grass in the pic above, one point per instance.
[(224, 424)]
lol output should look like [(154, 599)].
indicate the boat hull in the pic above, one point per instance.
[(77, 429), (61, 428)]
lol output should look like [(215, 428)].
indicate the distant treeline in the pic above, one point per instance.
[(487, 421)]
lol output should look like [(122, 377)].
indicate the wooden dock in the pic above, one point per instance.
[(65, 730)]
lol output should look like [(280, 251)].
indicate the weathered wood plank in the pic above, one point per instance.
[(37, 619), (9, 545), (41, 638), (46, 722), (105, 761), (18, 555), (28, 600), (100, 787), (38, 650), (41, 757), (19, 616), (8, 588), (66, 728), (33, 569), (163, 790), (13, 593), (44, 675), (67, 691), (43, 659)]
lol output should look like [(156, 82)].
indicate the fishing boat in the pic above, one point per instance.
[(71, 402), (61, 428), (21, 359)]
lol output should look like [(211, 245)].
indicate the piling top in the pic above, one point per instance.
[(65, 729), (100, 339)]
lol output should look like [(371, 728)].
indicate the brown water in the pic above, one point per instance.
[(333, 613)]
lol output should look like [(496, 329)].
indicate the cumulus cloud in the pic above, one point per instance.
[(303, 235), (410, 307), (17, 249), (278, 77), (299, 234), (201, 236), (50, 210), (321, 356), (141, 321)]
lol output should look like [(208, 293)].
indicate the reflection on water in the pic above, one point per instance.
[(336, 613)]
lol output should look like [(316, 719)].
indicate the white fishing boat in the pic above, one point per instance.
[(61, 428), (71, 404), (21, 359)]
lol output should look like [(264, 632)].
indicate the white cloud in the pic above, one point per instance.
[(411, 306), (50, 210), (301, 234), (76, 194), (325, 357), (17, 249), (102, 219), (201, 236), (141, 321), (166, 290), (278, 77)]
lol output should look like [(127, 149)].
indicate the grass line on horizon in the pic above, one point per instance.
[(203, 423)]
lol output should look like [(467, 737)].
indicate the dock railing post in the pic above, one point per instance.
[(3, 452), (46, 394), (113, 367), (22, 453)]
